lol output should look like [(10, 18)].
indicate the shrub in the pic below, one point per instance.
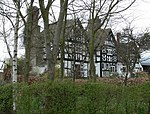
[(46, 98), (76, 98), (60, 98), (6, 99)]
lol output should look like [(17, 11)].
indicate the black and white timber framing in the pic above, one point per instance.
[(106, 56), (76, 54)]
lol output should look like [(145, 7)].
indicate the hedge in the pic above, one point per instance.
[(72, 98)]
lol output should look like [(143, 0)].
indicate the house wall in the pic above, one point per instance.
[(106, 57), (76, 52), (138, 67), (70, 69), (121, 69), (107, 69)]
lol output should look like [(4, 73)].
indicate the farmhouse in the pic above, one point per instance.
[(74, 49)]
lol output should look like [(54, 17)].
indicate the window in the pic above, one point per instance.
[(102, 65), (112, 68), (107, 66)]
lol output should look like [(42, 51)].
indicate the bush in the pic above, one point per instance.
[(75, 98), (46, 98), (96, 98), (6, 99), (60, 98)]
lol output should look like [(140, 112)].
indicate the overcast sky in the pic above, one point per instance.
[(139, 13), (143, 14)]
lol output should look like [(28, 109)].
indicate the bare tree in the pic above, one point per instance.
[(144, 41), (128, 50), (62, 44), (99, 11), (5, 34), (16, 6), (7, 27), (52, 44), (30, 27), (30, 24), (11, 16)]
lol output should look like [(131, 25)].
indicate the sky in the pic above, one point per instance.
[(138, 15), (143, 14), (142, 23)]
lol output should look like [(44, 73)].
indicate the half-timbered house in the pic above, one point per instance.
[(75, 50), (105, 54), (76, 54)]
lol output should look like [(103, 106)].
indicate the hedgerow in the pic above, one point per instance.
[(75, 98)]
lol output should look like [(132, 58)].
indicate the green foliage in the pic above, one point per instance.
[(46, 98), (6, 99), (75, 98), (62, 98)]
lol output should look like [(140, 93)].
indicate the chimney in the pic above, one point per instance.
[(35, 14), (118, 37)]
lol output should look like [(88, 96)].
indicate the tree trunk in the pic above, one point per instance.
[(126, 76), (58, 31), (126, 79), (92, 38), (52, 46), (92, 64), (50, 62), (27, 59), (14, 73), (14, 67), (28, 34), (62, 48)]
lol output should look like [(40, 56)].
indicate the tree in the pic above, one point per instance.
[(17, 7), (7, 20), (99, 11), (5, 34), (52, 44), (49, 56), (128, 50), (14, 65), (9, 16), (144, 41), (27, 24), (13, 58), (30, 27), (14, 79), (62, 44)]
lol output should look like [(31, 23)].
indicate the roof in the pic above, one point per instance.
[(145, 62), (101, 36), (145, 58), (70, 24)]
